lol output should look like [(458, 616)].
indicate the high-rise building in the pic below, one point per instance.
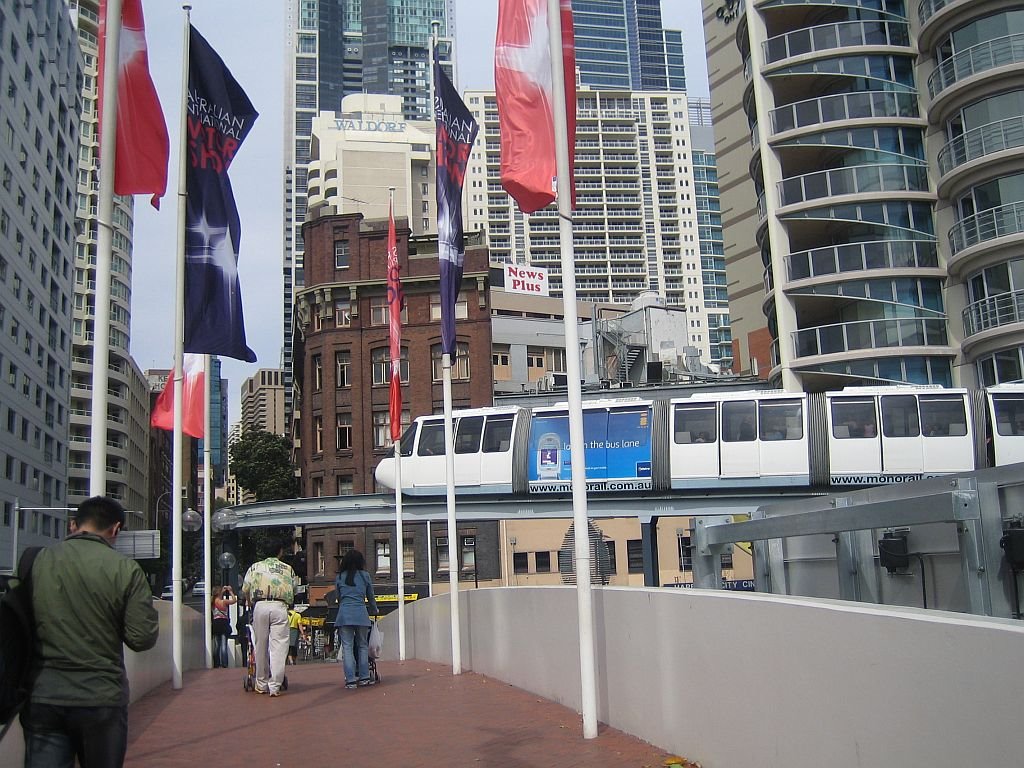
[(621, 44), (873, 217), (263, 402), (127, 390), (335, 48), (635, 222), (40, 103)]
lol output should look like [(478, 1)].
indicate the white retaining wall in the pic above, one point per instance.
[(146, 670), (751, 680)]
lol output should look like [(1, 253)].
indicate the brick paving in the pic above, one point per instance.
[(419, 716)]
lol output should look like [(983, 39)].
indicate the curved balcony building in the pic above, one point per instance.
[(884, 144)]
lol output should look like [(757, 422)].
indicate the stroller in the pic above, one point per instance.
[(249, 681)]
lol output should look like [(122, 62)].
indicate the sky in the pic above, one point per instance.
[(249, 35)]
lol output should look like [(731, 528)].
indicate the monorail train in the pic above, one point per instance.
[(859, 436)]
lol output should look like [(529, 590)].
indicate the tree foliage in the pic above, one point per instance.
[(261, 464)]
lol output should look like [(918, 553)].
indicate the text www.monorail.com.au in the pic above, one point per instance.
[(592, 485)]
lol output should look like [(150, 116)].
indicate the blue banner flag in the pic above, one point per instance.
[(220, 116), (456, 130)]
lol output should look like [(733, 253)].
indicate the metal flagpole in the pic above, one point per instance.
[(179, 354), (207, 502), (584, 596), (104, 253), (400, 560)]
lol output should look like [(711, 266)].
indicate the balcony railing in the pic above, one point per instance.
[(928, 8), (859, 179), (987, 225), (840, 35), (981, 141), (993, 312), (978, 58), (869, 334), (846, 106), (855, 257)]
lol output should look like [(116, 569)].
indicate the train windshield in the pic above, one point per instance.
[(431, 439), (695, 423), (1009, 411), (408, 438), (467, 434), (943, 416), (781, 420), (853, 418), (498, 433)]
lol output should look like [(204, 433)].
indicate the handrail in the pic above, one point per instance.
[(993, 312), (869, 334), (928, 8), (987, 225), (997, 52), (853, 180), (838, 35), (844, 106), (981, 141), (854, 257)]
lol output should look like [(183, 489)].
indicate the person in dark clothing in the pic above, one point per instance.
[(89, 601)]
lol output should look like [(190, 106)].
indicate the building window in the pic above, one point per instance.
[(380, 360), (341, 260), (382, 427), (635, 555), (469, 554), (441, 553), (382, 556), (318, 434), (556, 360), (344, 547), (318, 373), (343, 368), (408, 556), (345, 485), (380, 312), (318, 557), (685, 553), (501, 362), (318, 487), (543, 560), (343, 313), (461, 307), (460, 366), (520, 562), (343, 434)]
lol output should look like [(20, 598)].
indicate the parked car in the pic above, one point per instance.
[(168, 593), (199, 589)]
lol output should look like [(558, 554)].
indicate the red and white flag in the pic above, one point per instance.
[(395, 301), (192, 399), (140, 165), (522, 82)]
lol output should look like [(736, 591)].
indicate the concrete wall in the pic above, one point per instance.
[(752, 680), (146, 670)]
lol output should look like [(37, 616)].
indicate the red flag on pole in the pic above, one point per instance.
[(522, 82), (395, 301), (140, 164), (193, 395)]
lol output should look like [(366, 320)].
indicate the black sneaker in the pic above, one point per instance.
[(366, 682)]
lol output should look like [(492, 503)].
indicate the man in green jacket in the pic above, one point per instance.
[(89, 602)]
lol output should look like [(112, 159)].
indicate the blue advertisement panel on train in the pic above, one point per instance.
[(617, 449)]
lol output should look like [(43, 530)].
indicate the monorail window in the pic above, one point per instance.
[(408, 439), (899, 416), (467, 434), (498, 433), (695, 423), (1009, 410), (781, 419), (943, 416), (431, 439), (739, 421), (853, 418)]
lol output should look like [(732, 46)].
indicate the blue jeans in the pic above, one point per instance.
[(221, 655), (56, 735), (359, 637)]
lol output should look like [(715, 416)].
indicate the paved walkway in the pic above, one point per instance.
[(419, 716)]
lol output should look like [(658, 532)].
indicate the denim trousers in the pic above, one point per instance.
[(55, 735), (351, 656), (221, 655)]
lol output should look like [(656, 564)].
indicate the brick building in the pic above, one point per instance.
[(342, 358)]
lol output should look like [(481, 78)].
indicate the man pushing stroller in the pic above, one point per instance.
[(268, 589)]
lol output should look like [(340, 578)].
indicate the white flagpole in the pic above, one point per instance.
[(584, 596), (207, 503), (400, 560), (179, 354), (453, 531), (104, 253)]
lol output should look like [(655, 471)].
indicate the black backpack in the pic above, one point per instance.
[(17, 638)]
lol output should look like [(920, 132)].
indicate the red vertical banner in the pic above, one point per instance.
[(395, 301)]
